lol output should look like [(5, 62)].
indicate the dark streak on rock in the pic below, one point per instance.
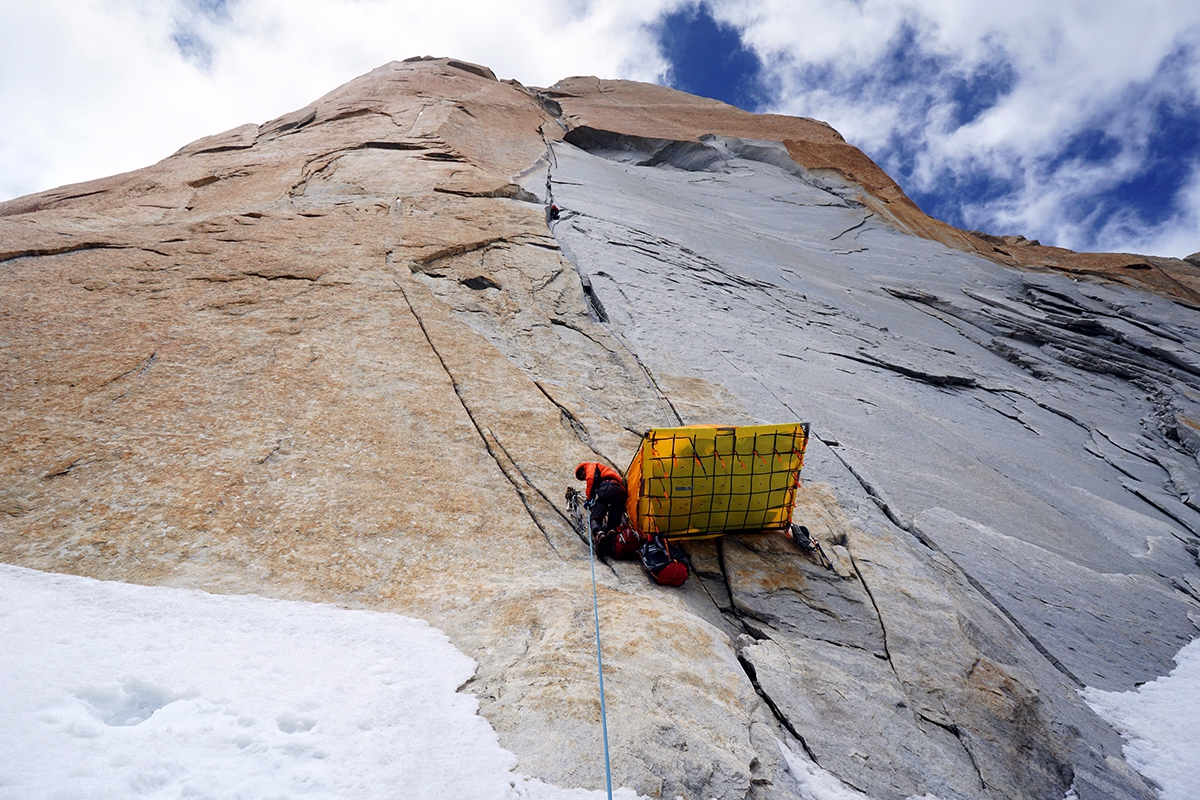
[(57, 251), (222, 149), (391, 146), (149, 363), (65, 470), (276, 276), (908, 372), (458, 250), (435, 155), (479, 283), (853, 227)]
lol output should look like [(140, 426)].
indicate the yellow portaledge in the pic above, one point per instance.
[(706, 480)]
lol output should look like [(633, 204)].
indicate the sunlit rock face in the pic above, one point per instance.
[(347, 356)]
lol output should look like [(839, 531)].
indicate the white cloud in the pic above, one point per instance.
[(1074, 66), (94, 87), (1179, 235)]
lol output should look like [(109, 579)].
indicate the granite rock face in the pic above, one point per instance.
[(644, 111), (347, 356)]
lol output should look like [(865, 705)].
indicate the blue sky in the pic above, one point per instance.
[(1071, 121), (708, 58), (1123, 169)]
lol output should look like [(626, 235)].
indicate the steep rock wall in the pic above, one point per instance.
[(252, 368), (341, 357), (645, 110), (989, 529)]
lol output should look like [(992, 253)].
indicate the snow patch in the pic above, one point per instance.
[(113, 690), (1158, 722), (817, 783)]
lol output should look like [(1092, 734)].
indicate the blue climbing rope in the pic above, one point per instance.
[(600, 670)]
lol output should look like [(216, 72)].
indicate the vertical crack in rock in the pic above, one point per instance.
[(709, 594), (649, 376), (739, 615), (884, 506), (482, 436), (874, 492), (580, 430), (752, 674), (882, 627), (853, 227), (756, 379), (747, 666), (595, 305), (589, 294), (979, 587), (956, 732)]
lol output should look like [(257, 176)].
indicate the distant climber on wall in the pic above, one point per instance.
[(605, 495)]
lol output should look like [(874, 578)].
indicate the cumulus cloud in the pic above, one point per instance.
[(1074, 122), (94, 87)]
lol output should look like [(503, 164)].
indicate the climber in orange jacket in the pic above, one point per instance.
[(606, 494)]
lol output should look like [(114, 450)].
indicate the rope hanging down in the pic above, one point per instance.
[(600, 670)]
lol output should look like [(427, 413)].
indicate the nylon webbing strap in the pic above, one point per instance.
[(600, 670)]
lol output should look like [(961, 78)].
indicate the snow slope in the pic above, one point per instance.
[(1159, 721), (116, 690)]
